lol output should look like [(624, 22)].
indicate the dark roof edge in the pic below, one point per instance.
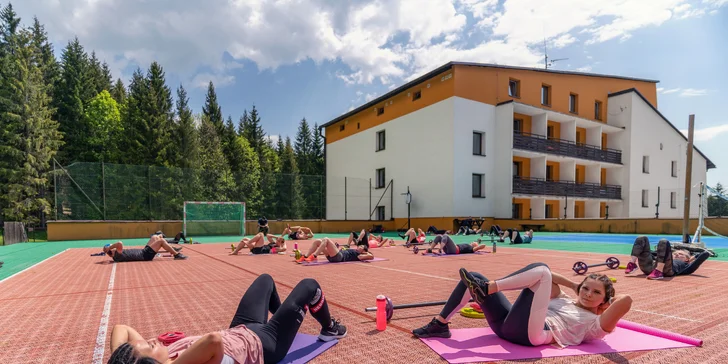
[(475, 64), (710, 164)]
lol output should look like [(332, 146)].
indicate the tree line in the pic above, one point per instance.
[(71, 110)]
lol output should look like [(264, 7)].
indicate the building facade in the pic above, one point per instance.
[(508, 142)]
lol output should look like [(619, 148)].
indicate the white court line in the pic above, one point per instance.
[(32, 266), (457, 280), (103, 326)]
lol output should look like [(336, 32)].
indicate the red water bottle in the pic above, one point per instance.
[(381, 313)]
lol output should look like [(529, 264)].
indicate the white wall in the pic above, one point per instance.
[(652, 136), (418, 153), (503, 180), (470, 116), (619, 111)]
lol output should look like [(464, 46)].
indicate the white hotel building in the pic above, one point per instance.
[(508, 142)]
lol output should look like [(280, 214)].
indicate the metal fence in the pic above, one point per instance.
[(103, 191)]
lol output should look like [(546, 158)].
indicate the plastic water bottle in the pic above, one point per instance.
[(493, 246), (381, 313)]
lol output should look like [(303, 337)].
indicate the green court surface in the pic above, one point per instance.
[(18, 257)]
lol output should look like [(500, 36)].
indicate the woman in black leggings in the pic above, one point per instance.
[(251, 338), (542, 314), (664, 262)]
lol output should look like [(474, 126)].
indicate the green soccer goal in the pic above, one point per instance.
[(203, 218)]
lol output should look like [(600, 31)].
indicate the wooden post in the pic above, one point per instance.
[(688, 175)]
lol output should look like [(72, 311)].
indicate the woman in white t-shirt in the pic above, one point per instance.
[(542, 314)]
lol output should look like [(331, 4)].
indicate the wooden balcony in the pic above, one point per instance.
[(539, 143), (540, 186)]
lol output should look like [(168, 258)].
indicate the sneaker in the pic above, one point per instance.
[(656, 274), (177, 248), (630, 268), (311, 258), (180, 256), (434, 328), (301, 259), (335, 331), (478, 288)]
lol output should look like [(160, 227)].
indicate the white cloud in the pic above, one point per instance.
[(193, 39), (660, 89), (707, 133), (273, 138), (691, 92), (671, 91), (584, 69)]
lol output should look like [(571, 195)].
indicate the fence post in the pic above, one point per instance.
[(391, 200), (322, 191), (657, 206), (345, 210), (149, 190), (55, 188), (370, 199), (103, 187)]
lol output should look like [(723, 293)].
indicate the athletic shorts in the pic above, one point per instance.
[(293, 235), (148, 253), (527, 239), (465, 249), (414, 241), (336, 258), (265, 249)]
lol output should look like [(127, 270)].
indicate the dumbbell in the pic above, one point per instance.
[(581, 267)]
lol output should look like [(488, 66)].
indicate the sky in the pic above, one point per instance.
[(317, 59)]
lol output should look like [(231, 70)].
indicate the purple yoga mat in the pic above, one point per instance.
[(453, 255), (323, 260), (306, 347), (481, 344)]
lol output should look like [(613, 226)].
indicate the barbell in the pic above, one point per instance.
[(581, 267), (390, 306)]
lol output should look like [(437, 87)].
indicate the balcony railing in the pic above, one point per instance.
[(540, 186), (539, 143)]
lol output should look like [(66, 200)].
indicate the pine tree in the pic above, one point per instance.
[(9, 22), (318, 152), (216, 179), (304, 148), (290, 183), (133, 119), (279, 146), (212, 109), (69, 101), (118, 92), (29, 137), (44, 57), (317, 187), (185, 136), (158, 117), (716, 205), (254, 132), (242, 124)]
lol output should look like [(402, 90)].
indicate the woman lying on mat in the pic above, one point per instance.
[(335, 254), (118, 253), (445, 245), (361, 238), (180, 236), (297, 232), (543, 314), (664, 262), (516, 237), (412, 238), (379, 241), (251, 338), (257, 244)]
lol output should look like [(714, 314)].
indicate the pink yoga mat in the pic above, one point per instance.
[(481, 344), (453, 255), (323, 260)]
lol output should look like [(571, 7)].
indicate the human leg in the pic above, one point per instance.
[(448, 246), (663, 268), (259, 299), (641, 256), (157, 242)]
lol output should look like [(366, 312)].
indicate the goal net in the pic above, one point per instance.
[(213, 218)]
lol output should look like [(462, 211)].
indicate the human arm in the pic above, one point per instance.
[(611, 312), (121, 334), (208, 349), (558, 280), (365, 256), (118, 246)]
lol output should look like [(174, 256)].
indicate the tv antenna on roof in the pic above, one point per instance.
[(546, 61)]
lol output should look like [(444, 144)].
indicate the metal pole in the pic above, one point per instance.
[(412, 305), (391, 200), (55, 188), (149, 190), (657, 206), (103, 187), (345, 209), (688, 175), (408, 211), (370, 199)]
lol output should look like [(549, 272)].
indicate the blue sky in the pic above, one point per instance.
[(319, 58)]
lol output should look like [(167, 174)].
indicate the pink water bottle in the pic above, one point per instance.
[(381, 313), (295, 246)]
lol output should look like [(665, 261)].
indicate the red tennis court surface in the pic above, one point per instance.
[(55, 311)]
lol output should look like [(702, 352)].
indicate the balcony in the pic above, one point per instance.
[(539, 143), (540, 186)]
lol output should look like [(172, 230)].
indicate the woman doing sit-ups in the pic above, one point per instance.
[(251, 337), (542, 314), (258, 245), (335, 254), (445, 245)]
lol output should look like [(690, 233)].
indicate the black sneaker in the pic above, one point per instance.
[(180, 256), (177, 248), (433, 329), (334, 331), (478, 288)]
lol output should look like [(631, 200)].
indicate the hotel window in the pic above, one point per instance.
[(517, 126), (341, 127), (673, 169), (598, 110), (549, 211), (646, 164), (380, 178), (673, 200), (514, 88), (517, 208), (380, 111), (573, 103), (417, 95), (380, 213), (380, 140), (478, 185), (479, 143), (645, 198), (545, 95)]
